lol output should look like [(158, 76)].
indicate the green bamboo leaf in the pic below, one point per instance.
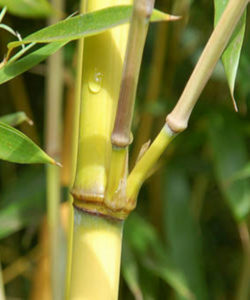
[(130, 271), (144, 241), (21, 207), (231, 55), (30, 9), (15, 119), (230, 156), (15, 68), (86, 25), (17, 147), (182, 231), (243, 173)]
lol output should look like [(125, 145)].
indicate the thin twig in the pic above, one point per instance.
[(136, 41), (178, 118)]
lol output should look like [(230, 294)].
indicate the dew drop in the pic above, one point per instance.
[(95, 81)]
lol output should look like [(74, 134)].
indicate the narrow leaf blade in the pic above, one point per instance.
[(17, 147), (230, 156), (21, 207), (30, 9), (13, 69), (86, 25), (145, 242), (129, 270), (243, 173), (231, 55), (182, 231)]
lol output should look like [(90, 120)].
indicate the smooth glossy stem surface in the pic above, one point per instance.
[(103, 59), (96, 257)]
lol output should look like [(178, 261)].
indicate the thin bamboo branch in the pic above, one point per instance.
[(146, 163), (177, 120), (121, 138), (137, 36), (153, 88)]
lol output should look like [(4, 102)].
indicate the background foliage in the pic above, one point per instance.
[(188, 238)]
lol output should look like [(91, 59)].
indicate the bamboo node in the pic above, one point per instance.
[(175, 125), (96, 204)]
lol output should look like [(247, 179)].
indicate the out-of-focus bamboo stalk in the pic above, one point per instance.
[(20, 266), (41, 288), (2, 293), (74, 145), (22, 103), (243, 292), (54, 94)]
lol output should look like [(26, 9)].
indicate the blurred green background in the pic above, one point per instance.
[(189, 236)]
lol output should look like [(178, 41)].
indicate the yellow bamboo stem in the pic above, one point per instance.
[(96, 257), (97, 240), (103, 61)]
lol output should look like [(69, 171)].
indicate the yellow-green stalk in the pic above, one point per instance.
[(103, 60), (147, 162), (96, 257), (95, 267)]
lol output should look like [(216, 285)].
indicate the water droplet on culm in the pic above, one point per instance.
[(95, 81)]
